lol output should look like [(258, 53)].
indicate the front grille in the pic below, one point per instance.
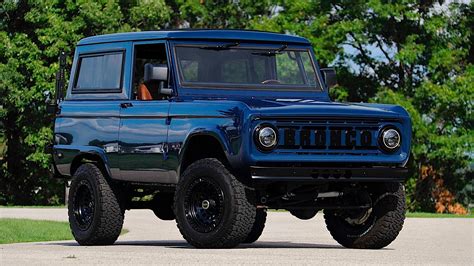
[(328, 136)]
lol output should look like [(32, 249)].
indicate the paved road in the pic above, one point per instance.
[(286, 240)]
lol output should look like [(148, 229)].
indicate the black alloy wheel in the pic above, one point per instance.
[(83, 205), (204, 205), (374, 227), (94, 211), (213, 208)]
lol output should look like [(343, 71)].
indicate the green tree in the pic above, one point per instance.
[(32, 33), (418, 54), (217, 14), (412, 53)]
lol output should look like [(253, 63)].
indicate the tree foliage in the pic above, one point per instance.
[(31, 35), (418, 54)]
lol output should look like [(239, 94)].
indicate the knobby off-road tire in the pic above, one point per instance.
[(258, 226), (98, 219), (213, 209), (382, 226)]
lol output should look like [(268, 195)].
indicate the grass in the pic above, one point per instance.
[(420, 214), (24, 230), (437, 215), (38, 206)]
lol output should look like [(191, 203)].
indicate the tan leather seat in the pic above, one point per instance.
[(143, 93)]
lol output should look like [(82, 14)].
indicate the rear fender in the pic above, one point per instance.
[(68, 158)]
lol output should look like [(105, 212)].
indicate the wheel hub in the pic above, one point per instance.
[(204, 205), (361, 219), (357, 217)]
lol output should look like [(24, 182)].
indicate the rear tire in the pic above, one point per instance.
[(381, 225), (95, 216), (258, 226), (212, 207)]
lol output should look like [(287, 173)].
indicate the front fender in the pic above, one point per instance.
[(219, 136), (224, 121)]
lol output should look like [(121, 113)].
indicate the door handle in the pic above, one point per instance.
[(126, 105)]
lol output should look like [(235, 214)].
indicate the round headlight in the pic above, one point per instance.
[(390, 139), (266, 138)]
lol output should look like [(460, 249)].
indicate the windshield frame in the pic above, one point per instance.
[(318, 87)]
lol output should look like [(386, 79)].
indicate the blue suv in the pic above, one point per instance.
[(212, 128)]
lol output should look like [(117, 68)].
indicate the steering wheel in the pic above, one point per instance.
[(271, 81)]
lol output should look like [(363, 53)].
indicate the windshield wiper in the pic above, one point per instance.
[(221, 46), (272, 52)]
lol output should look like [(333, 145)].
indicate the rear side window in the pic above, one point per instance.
[(99, 72)]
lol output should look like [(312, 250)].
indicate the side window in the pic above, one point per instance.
[(99, 72), (148, 54), (190, 70)]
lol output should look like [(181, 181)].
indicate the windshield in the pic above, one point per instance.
[(228, 66)]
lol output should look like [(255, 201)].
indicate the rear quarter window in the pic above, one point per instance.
[(99, 73)]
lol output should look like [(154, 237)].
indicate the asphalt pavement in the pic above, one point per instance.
[(285, 241)]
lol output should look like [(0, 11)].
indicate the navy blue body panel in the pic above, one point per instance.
[(87, 128), (143, 141), (232, 122), (146, 141), (220, 119)]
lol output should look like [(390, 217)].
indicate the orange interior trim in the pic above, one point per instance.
[(143, 93)]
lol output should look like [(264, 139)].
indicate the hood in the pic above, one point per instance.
[(308, 107)]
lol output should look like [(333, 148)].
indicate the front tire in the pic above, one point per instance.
[(258, 226), (213, 209), (375, 229), (95, 216)]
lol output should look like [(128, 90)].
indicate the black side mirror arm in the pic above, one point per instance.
[(52, 105)]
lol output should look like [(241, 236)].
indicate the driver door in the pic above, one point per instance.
[(143, 122)]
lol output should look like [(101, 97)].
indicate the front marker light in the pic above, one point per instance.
[(266, 138)]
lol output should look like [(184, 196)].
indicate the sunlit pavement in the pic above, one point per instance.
[(286, 240)]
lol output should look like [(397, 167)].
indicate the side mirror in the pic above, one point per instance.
[(51, 106), (155, 72), (158, 73), (47, 95), (329, 76)]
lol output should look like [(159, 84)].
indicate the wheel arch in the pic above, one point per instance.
[(202, 145), (94, 157)]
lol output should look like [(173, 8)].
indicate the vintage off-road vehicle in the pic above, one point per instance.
[(212, 128)]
